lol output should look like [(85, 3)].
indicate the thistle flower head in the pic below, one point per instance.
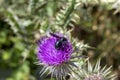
[(54, 53), (95, 72), (94, 77)]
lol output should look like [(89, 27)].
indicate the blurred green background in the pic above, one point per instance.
[(22, 22)]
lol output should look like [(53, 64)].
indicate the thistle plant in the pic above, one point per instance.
[(22, 22), (95, 72), (55, 54)]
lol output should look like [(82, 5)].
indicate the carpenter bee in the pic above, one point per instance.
[(60, 43)]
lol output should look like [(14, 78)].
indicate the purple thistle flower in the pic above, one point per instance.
[(54, 50), (55, 54)]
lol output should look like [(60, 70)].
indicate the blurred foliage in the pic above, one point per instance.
[(23, 22)]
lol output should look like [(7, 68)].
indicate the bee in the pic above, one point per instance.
[(60, 43)]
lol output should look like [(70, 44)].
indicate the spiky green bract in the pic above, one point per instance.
[(96, 72), (58, 72), (61, 71)]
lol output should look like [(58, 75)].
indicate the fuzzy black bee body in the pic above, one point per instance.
[(60, 43)]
